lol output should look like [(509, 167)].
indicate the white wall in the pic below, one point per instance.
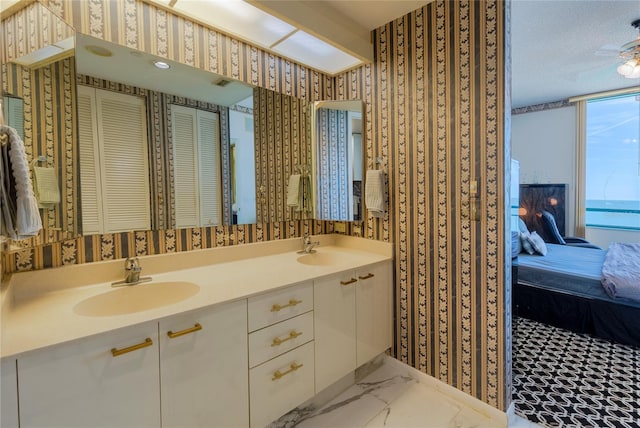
[(544, 143), (602, 237)]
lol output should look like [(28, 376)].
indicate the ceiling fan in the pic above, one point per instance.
[(630, 54)]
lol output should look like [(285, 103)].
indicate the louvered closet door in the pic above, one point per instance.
[(125, 166), (91, 192), (209, 168), (185, 171)]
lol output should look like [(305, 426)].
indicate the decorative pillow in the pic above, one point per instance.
[(522, 226), (552, 228), (537, 243), (526, 244)]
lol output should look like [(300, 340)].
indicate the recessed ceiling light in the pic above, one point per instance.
[(99, 50), (161, 65)]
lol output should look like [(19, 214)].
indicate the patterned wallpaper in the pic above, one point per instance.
[(438, 102), (30, 29), (333, 180), (282, 143), (436, 117), (49, 97)]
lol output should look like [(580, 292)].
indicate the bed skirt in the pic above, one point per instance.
[(605, 319)]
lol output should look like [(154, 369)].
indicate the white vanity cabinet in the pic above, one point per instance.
[(203, 367), (374, 311), (352, 316), (107, 380), (8, 393), (281, 353), (335, 327)]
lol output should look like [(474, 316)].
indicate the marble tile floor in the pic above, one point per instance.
[(393, 396)]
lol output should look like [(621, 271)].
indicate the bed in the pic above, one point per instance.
[(564, 289)]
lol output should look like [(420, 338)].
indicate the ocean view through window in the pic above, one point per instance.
[(613, 162)]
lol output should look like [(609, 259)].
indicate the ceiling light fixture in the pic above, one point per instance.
[(630, 54), (161, 65)]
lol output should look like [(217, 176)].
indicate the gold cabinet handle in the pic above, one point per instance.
[(367, 276), (292, 335), (351, 281), (292, 302), (147, 342), (292, 368), (195, 328)]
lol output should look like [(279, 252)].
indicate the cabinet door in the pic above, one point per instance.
[(373, 311), (335, 327), (82, 383), (204, 368), (8, 394)]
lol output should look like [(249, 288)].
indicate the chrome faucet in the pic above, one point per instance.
[(307, 245), (132, 271)]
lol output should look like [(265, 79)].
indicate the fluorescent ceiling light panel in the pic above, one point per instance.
[(50, 53), (310, 50), (6, 4), (236, 17)]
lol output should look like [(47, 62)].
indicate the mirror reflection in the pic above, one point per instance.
[(39, 69), (139, 147), (338, 160)]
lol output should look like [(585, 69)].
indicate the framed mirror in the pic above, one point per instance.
[(338, 163)]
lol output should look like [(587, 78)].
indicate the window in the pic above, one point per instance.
[(612, 191)]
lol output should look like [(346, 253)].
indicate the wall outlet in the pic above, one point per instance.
[(340, 227)]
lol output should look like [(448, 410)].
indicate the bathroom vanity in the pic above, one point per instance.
[(233, 336)]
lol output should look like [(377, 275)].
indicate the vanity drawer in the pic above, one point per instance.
[(279, 338), (281, 384), (270, 308)]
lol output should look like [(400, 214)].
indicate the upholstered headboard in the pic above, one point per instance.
[(535, 198)]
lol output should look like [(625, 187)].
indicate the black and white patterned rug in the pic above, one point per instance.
[(564, 379)]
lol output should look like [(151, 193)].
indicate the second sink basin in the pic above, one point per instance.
[(136, 298), (319, 259)]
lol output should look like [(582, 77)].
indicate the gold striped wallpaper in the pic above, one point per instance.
[(49, 97), (30, 29), (437, 101), (282, 143), (435, 115)]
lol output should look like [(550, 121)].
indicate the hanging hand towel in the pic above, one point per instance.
[(374, 192), (45, 183), (27, 222), (293, 192)]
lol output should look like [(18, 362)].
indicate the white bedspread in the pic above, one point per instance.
[(621, 271)]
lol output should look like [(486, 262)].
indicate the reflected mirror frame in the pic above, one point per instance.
[(357, 106)]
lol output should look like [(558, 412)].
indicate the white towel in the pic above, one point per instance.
[(293, 191), (45, 183), (374, 192), (27, 220)]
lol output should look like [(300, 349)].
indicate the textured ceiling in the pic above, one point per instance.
[(560, 48), (372, 14), (568, 48)]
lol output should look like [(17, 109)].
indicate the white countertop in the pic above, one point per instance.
[(40, 308)]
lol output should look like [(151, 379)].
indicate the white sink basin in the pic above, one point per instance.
[(319, 259), (136, 298)]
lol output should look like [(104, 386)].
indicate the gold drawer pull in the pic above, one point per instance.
[(367, 276), (277, 341), (351, 281), (147, 342), (292, 368), (292, 302), (195, 328)]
